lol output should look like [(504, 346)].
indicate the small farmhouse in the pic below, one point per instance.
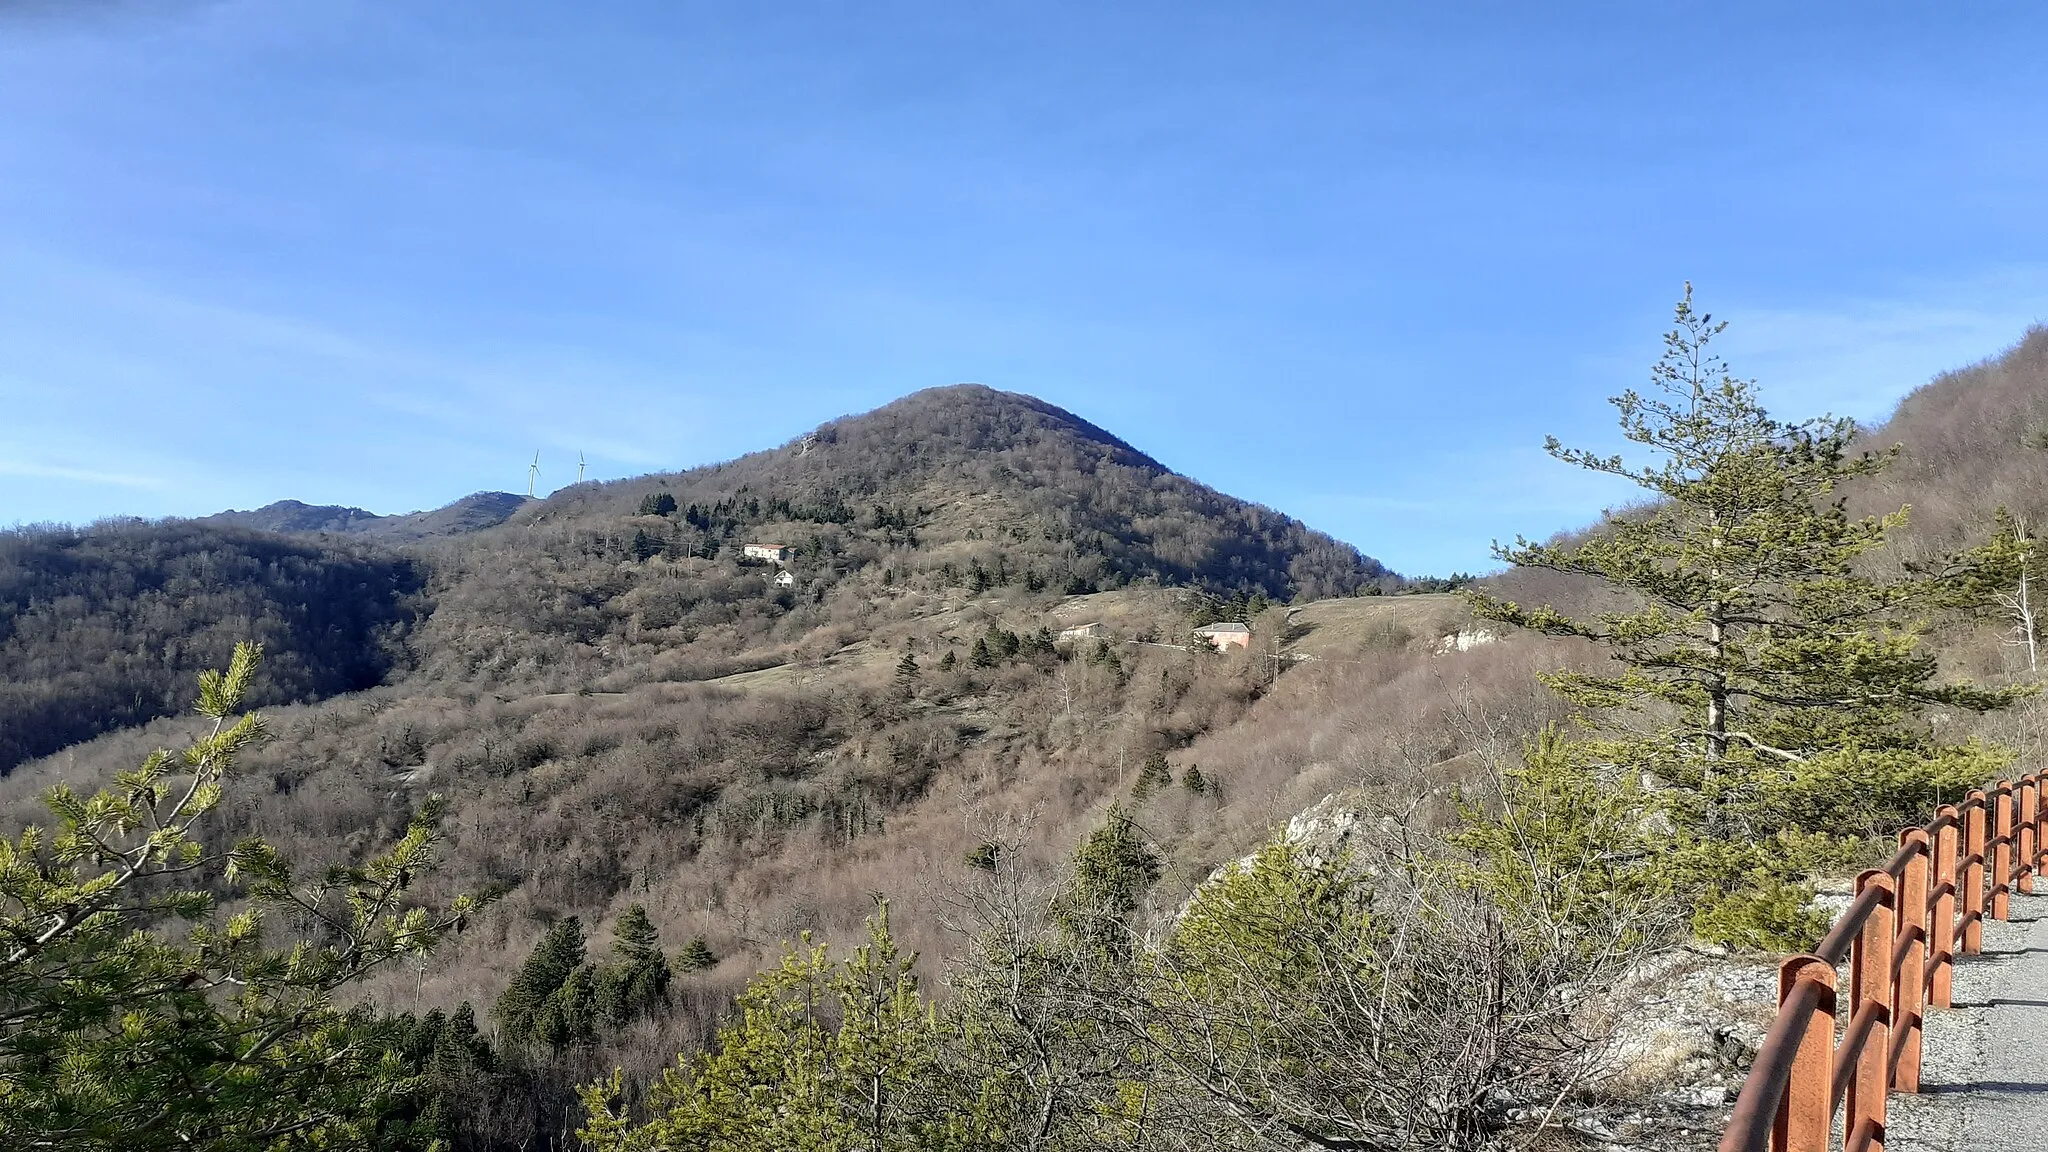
[(775, 552), (1080, 632), (1226, 636), (784, 579)]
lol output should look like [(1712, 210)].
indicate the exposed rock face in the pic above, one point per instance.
[(1465, 639), (1684, 1026), (1332, 830)]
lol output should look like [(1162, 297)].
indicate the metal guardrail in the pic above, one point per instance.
[(1900, 936)]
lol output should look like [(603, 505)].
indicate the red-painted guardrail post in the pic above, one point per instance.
[(2040, 819), (1806, 1112), (2026, 849), (1941, 929), (2001, 851), (1899, 935), (1870, 992), (1975, 809), (1909, 995)]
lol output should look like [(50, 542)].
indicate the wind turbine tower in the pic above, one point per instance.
[(532, 473), (579, 467)]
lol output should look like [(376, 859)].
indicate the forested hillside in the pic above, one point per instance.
[(977, 475), (949, 492), (1973, 440), (668, 759), (105, 627), (624, 708), (650, 741)]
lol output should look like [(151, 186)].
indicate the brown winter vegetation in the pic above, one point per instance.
[(622, 710)]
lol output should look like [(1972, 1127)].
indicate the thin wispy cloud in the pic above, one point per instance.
[(78, 474), (1860, 357)]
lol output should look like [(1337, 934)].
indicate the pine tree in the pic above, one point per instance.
[(644, 547), (135, 1017), (1765, 671), (1192, 780), (557, 957), (1153, 776), (695, 956), (949, 661), (828, 1057), (906, 677), (981, 657), (569, 1016), (658, 504), (1113, 869), (636, 981)]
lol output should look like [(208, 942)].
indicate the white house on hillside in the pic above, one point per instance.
[(1080, 632), (775, 552)]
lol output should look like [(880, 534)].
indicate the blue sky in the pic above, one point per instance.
[(1351, 260)]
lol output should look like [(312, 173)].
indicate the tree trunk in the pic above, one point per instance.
[(1717, 697)]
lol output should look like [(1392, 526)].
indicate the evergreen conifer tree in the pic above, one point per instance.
[(1113, 869), (569, 1016), (636, 980), (1155, 775), (696, 956), (1769, 674), (547, 969), (133, 1017), (821, 1056)]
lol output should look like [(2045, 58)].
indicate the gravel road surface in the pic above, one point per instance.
[(1985, 1077)]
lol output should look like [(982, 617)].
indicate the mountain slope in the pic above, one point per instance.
[(1973, 440), (623, 707), (106, 627), (1020, 477), (960, 488)]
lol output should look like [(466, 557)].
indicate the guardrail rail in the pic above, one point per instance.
[(1900, 936)]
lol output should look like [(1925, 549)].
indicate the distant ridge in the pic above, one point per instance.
[(472, 513)]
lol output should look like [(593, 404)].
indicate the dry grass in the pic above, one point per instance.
[(1354, 627)]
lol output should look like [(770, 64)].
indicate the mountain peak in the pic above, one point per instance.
[(967, 477), (977, 418)]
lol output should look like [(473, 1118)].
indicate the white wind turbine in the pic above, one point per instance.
[(579, 467), (532, 473)]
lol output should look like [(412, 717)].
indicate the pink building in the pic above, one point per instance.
[(1225, 636)]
